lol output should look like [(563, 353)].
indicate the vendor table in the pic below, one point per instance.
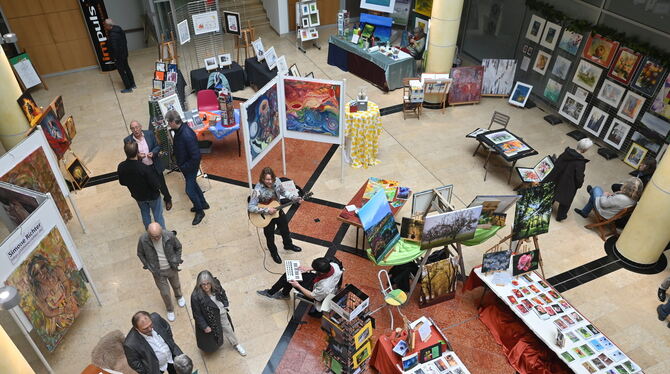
[(217, 129), (546, 329), (362, 130), (382, 71), (258, 73), (234, 73), (503, 148)]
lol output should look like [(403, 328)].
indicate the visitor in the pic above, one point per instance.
[(417, 44), (663, 310), (184, 365), (118, 49), (609, 204), (645, 171), (210, 312), (568, 176), (149, 345)]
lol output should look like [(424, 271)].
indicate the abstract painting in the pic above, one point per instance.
[(617, 133), (541, 62), (54, 132), (262, 119), (587, 75), (600, 50), (520, 94), (442, 229), (34, 173), (611, 93), (51, 287), (379, 225), (313, 107), (624, 66), (29, 108), (630, 106), (661, 104), (635, 155), (570, 42), (648, 77), (533, 211), (467, 85), (498, 77), (552, 91)]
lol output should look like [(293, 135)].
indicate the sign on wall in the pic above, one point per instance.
[(95, 14)]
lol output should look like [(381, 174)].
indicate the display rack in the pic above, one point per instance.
[(162, 132), (307, 22)]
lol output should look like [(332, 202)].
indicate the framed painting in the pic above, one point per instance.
[(260, 118), (314, 109), (617, 133), (648, 77), (587, 75), (424, 7), (630, 106), (442, 229), (561, 67), (183, 32), (624, 66), (172, 103), (570, 42), (78, 173), (656, 124), (293, 71), (520, 94), (362, 354), (661, 104), (282, 66), (29, 108), (54, 132), (572, 108), (57, 106), (635, 155), (305, 22), (271, 58), (552, 91), (595, 121), (600, 50), (206, 22), (467, 85), (611, 93), (535, 27), (259, 50), (550, 35), (385, 6), (533, 211), (313, 9), (70, 128), (314, 20), (645, 142), (498, 77), (232, 22), (541, 62)]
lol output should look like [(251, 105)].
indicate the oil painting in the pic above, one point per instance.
[(467, 85), (312, 107)]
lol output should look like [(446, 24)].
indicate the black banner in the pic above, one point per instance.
[(94, 16)]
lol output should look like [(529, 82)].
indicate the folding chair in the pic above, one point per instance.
[(497, 118), (407, 105)]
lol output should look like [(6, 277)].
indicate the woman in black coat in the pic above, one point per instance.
[(568, 176), (210, 311)]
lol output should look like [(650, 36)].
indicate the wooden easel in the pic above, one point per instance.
[(20, 81), (167, 50), (247, 35)]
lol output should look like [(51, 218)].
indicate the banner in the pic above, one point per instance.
[(94, 17)]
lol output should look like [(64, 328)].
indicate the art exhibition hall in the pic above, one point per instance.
[(334, 186)]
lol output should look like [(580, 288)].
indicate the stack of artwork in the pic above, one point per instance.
[(379, 225), (533, 211), (537, 173)]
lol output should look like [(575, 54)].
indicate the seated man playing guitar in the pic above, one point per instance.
[(268, 189)]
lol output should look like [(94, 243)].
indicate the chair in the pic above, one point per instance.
[(207, 101), (408, 106), (610, 224), (392, 297), (296, 296)]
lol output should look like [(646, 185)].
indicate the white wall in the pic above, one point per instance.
[(277, 11)]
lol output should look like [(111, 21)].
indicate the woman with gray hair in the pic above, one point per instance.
[(183, 365), (210, 311), (568, 176), (609, 204)]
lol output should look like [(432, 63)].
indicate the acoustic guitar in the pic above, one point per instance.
[(261, 220)]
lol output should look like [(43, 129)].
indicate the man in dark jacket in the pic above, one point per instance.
[(143, 184), (149, 149), (187, 155), (118, 48), (568, 176), (149, 345)]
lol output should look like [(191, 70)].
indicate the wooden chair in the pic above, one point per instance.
[(602, 223), (497, 118), (407, 105)]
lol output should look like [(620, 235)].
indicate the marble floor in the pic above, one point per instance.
[(421, 154)]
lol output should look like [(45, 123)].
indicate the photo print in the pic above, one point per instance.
[(524, 262), (572, 108), (617, 133), (596, 121), (533, 211)]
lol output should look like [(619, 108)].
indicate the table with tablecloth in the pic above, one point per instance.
[(385, 72), (258, 73), (362, 131), (234, 74)]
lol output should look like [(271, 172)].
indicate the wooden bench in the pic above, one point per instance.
[(610, 224)]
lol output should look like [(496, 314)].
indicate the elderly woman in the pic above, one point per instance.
[(568, 176), (609, 204), (210, 311)]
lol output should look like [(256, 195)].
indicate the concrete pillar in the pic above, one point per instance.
[(647, 232), (12, 360), (14, 123), (444, 23)]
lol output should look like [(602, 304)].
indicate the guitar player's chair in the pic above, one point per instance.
[(296, 297)]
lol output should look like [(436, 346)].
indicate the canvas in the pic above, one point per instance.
[(379, 225), (51, 287), (617, 133), (535, 28), (596, 121), (410, 229), (262, 117), (600, 50), (550, 35), (29, 108), (505, 201), (541, 62), (313, 107), (661, 104), (520, 94), (498, 76), (611, 93), (587, 75), (78, 173), (422, 201), (271, 57), (645, 142), (648, 77), (570, 42), (525, 262), (655, 124), (438, 281), (625, 63), (572, 108), (561, 67), (442, 229), (630, 106), (495, 261), (232, 22), (552, 91), (424, 7), (15, 207), (54, 132), (533, 211), (467, 84), (70, 128), (57, 106)]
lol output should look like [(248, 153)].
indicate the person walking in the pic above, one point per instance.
[(149, 345), (160, 253), (568, 176), (187, 155), (210, 312), (663, 310), (118, 49), (143, 184)]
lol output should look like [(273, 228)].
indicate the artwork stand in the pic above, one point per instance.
[(523, 243), (244, 41), (167, 50)]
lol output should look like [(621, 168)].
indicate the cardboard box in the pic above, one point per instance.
[(343, 296)]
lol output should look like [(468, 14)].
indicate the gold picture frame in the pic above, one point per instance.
[(635, 156), (362, 354), (79, 174), (363, 334)]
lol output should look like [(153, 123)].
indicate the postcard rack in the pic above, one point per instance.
[(162, 133), (307, 21), (349, 343)]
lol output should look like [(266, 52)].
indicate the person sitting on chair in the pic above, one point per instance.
[(609, 204), (317, 282), (645, 171), (417, 44)]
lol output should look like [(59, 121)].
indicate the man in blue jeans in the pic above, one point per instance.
[(663, 310), (143, 184), (187, 155)]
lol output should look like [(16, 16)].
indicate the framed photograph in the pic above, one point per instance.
[(232, 22), (70, 129), (271, 58), (362, 354), (648, 77), (525, 63), (313, 33), (259, 50), (561, 67), (78, 173), (313, 9), (282, 66), (305, 22), (385, 6), (552, 91), (550, 35), (363, 334), (224, 60), (304, 34), (211, 64), (611, 93), (182, 31), (630, 106), (624, 66), (617, 133), (596, 121), (587, 75), (524, 262), (520, 94), (635, 155), (314, 20), (204, 23), (572, 108), (600, 50), (535, 27), (57, 106), (570, 42), (304, 9), (541, 62), (293, 71), (645, 142), (310, 75)]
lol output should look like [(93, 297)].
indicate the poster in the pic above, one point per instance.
[(533, 211), (184, 34), (51, 287), (95, 14), (25, 70), (204, 23), (313, 107), (260, 116)]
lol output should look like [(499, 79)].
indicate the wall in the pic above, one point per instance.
[(278, 14), (327, 12), (12, 360), (128, 14)]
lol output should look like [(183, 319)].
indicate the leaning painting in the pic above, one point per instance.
[(379, 225), (262, 119), (51, 287), (313, 107), (467, 85), (533, 211)]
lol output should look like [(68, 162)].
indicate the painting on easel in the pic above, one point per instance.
[(533, 211)]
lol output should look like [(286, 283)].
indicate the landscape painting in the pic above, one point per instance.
[(533, 211), (442, 229), (467, 85), (313, 107), (379, 225)]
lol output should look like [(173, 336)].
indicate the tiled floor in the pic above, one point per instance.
[(422, 154)]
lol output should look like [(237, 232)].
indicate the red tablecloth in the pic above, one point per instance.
[(387, 362)]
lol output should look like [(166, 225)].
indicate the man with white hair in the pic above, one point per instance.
[(184, 365), (568, 176), (118, 48)]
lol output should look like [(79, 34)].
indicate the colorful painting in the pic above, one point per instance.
[(525, 262), (29, 108), (533, 211), (600, 50), (520, 94), (570, 42), (561, 67), (661, 104), (232, 22), (542, 62), (442, 229), (385, 6), (262, 118), (587, 75), (54, 132), (648, 77), (552, 91), (379, 225), (78, 173), (630, 106), (34, 172), (313, 107), (15, 207), (424, 7), (498, 76), (611, 93), (467, 85), (550, 35), (51, 287), (625, 63)]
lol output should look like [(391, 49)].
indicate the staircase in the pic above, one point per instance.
[(249, 10)]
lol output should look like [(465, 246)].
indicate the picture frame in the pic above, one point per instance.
[(505, 201), (520, 94), (648, 76), (422, 201), (561, 67), (571, 41), (271, 58), (362, 354), (587, 75), (541, 62), (550, 35), (313, 33), (385, 6), (29, 108), (600, 50), (206, 22), (595, 121), (171, 103), (304, 34), (305, 22), (232, 22), (57, 106), (313, 9), (656, 124), (617, 133), (314, 20), (282, 66), (211, 63), (661, 103), (466, 87), (161, 66), (70, 129), (611, 93), (430, 353), (224, 60), (645, 142), (159, 75), (635, 156), (78, 172), (363, 334), (581, 93), (525, 63), (293, 71), (535, 27), (572, 108), (624, 66), (183, 32), (304, 9), (410, 229), (552, 91), (259, 50), (54, 132), (631, 105)]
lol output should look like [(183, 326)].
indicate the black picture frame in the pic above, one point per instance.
[(230, 29)]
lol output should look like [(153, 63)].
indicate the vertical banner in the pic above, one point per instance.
[(94, 17)]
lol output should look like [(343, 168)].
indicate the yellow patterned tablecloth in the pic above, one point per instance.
[(363, 130)]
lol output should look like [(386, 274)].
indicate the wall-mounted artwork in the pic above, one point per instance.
[(550, 35), (29, 108), (450, 227), (587, 75), (183, 32), (541, 62), (630, 106), (262, 128), (572, 108), (661, 104), (617, 133), (645, 142), (385, 6), (535, 28), (313, 107), (600, 50), (561, 67), (635, 155), (552, 91), (533, 211), (232, 22), (624, 66), (424, 7), (570, 42), (498, 77), (55, 133), (648, 77), (611, 93), (467, 85), (655, 124), (204, 23), (595, 121)]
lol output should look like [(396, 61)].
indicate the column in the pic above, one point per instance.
[(12, 360), (14, 123), (444, 23), (646, 234)]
